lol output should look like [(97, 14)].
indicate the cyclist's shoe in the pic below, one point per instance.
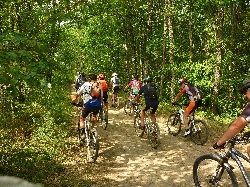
[(187, 132)]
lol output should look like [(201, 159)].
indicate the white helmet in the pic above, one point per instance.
[(114, 74)]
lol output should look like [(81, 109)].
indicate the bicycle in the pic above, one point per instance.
[(198, 128), (151, 128), (129, 105), (215, 170), (103, 116), (91, 139)]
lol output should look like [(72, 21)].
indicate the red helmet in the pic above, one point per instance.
[(182, 81), (101, 76)]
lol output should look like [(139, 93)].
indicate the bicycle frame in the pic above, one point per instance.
[(234, 154)]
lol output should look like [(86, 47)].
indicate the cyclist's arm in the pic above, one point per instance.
[(232, 130), (75, 98), (177, 97)]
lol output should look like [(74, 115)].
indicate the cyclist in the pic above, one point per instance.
[(79, 80), (115, 83), (91, 103), (194, 103), (240, 122), (104, 86), (135, 86), (151, 103)]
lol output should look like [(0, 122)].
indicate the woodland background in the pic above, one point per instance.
[(47, 41)]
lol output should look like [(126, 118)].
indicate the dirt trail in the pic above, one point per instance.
[(127, 160)]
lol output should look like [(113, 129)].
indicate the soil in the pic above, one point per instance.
[(128, 160)]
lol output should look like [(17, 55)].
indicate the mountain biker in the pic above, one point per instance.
[(135, 86), (240, 122), (104, 85), (79, 80), (193, 104), (115, 83), (90, 104), (151, 103)]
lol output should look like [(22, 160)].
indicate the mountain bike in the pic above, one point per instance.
[(91, 140), (103, 116), (129, 104), (151, 129), (198, 128), (215, 169)]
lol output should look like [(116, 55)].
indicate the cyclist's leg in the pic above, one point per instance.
[(105, 100), (187, 111), (143, 115), (95, 111), (152, 114)]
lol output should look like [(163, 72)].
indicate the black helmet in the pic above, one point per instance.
[(245, 86)]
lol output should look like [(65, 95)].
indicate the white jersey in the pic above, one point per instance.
[(85, 90), (113, 79)]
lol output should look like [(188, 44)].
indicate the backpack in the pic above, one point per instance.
[(117, 81), (152, 91), (104, 85), (198, 93), (95, 90)]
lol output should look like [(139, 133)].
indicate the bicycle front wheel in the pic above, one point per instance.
[(92, 146), (199, 132), (153, 132), (208, 172), (174, 124), (137, 123)]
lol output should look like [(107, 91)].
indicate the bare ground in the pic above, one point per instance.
[(128, 160)]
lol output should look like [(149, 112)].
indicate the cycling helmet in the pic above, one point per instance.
[(101, 76), (182, 81), (114, 74), (147, 79), (245, 86)]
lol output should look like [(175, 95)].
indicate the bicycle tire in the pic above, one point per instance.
[(128, 107), (104, 119), (92, 146), (137, 122), (116, 102), (153, 132), (174, 124), (204, 169), (199, 132), (79, 133)]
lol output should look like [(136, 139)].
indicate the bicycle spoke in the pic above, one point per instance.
[(174, 124), (154, 134), (199, 132)]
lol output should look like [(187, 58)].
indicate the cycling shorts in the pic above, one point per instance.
[(105, 97), (116, 89), (193, 106), (86, 110), (153, 108)]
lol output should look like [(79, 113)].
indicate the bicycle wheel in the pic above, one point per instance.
[(174, 124), (208, 172), (128, 107), (199, 132), (104, 119), (153, 132), (79, 135), (116, 102), (137, 122), (92, 146)]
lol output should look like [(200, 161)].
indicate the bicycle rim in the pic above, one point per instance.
[(137, 122), (153, 132), (174, 124), (80, 141), (199, 132), (92, 147), (208, 172)]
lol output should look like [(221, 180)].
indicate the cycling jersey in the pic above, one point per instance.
[(85, 90), (135, 85), (246, 112), (113, 79), (189, 91)]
